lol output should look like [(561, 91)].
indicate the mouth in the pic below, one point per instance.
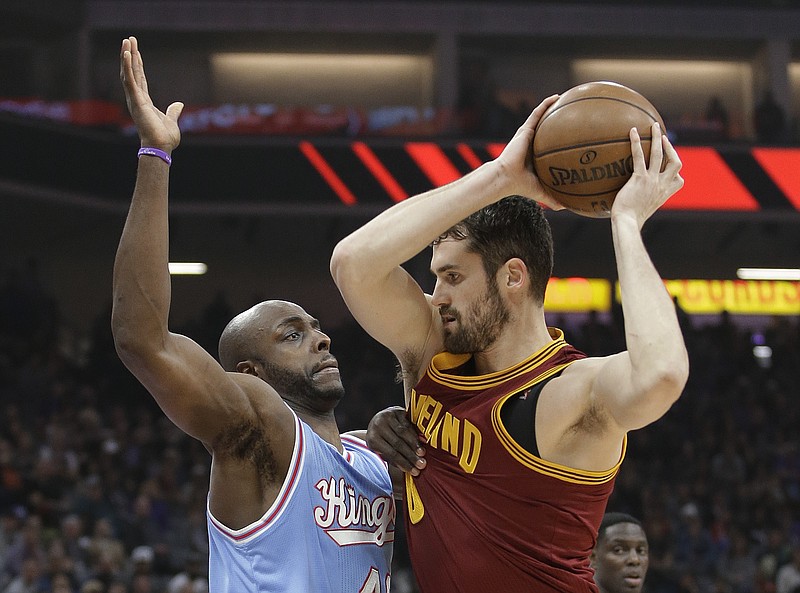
[(447, 318), (328, 366), (633, 580)]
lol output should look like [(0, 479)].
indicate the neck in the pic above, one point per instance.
[(322, 423), (518, 340)]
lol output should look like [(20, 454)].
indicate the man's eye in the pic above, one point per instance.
[(292, 336)]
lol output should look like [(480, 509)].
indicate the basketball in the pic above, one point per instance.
[(582, 147)]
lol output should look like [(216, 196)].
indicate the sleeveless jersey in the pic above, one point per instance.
[(330, 530), (485, 514)]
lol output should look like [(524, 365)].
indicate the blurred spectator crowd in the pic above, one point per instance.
[(100, 493)]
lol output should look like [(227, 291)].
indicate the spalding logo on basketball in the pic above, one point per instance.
[(582, 147)]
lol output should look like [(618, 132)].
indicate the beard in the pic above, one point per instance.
[(300, 388), (486, 319)]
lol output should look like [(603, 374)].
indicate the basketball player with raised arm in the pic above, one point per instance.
[(293, 506), (523, 433)]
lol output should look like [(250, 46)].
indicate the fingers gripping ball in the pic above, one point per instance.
[(582, 147)]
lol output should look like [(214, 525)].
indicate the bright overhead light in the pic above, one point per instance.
[(768, 273), (187, 268)]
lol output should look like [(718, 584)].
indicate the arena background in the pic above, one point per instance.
[(303, 120)]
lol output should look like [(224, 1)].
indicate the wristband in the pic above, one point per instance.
[(155, 152)]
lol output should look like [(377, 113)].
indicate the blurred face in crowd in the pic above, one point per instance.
[(60, 584)]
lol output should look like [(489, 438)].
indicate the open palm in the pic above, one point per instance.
[(157, 129)]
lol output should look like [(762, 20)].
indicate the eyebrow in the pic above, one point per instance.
[(298, 320), (625, 540), (444, 268)]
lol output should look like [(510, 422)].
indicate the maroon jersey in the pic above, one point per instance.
[(486, 514)]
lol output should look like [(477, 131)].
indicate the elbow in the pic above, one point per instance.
[(128, 338), (680, 371), (669, 372), (671, 381), (125, 342), (344, 264)]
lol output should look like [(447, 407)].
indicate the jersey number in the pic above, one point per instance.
[(372, 584), (416, 509)]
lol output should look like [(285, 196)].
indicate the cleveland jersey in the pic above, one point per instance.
[(330, 530), (487, 514)]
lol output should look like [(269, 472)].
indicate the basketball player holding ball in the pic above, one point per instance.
[(517, 435)]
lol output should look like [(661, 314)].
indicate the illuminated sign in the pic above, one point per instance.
[(762, 297), (699, 297), (577, 295)]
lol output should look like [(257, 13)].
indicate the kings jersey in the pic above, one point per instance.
[(330, 530), (487, 514)]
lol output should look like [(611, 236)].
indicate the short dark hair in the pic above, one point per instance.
[(512, 227), (614, 518)]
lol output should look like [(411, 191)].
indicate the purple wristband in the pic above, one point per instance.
[(155, 152)]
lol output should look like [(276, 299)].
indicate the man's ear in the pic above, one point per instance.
[(515, 273), (247, 367)]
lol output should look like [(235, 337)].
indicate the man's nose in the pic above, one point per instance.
[(324, 342), (439, 297)]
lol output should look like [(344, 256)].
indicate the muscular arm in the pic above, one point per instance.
[(638, 386), (583, 415), (366, 265), (188, 384)]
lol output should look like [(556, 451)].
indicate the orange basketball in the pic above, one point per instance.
[(582, 150)]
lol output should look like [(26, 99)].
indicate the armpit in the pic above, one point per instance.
[(249, 442)]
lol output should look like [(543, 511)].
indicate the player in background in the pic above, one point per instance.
[(621, 556)]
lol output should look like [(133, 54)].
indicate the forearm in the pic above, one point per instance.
[(406, 229), (652, 333), (141, 283)]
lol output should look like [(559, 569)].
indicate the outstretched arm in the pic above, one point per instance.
[(366, 265), (638, 386), (185, 380)]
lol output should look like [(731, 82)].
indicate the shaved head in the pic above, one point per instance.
[(244, 333)]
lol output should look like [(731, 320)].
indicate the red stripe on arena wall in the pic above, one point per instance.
[(381, 173), (469, 155), (433, 162), (709, 184), (494, 149), (783, 167), (328, 174)]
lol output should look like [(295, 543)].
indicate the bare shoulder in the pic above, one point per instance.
[(591, 367), (579, 375)]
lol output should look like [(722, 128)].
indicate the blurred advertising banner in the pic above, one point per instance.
[(698, 297), (746, 297)]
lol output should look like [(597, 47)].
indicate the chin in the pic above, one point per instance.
[(333, 393)]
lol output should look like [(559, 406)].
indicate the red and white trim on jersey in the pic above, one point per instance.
[(246, 534), (360, 445)]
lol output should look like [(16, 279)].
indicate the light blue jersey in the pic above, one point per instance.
[(330, 530)]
